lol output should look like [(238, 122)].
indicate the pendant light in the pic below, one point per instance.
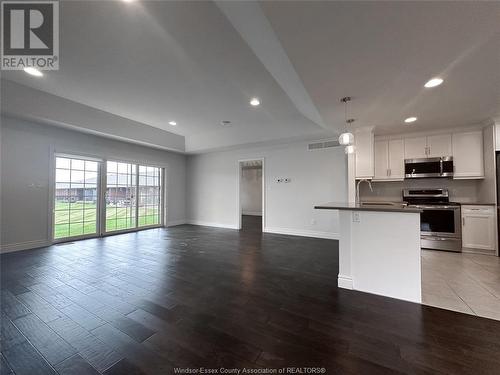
[(347, 138)]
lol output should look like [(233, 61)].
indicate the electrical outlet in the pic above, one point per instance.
[(355, 217), (313, 221)]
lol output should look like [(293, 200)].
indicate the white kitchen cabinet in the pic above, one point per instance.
[(428, 147), (389, 159), (468, 155), (396, 159), (439, 145), (415, 148), (478, 227), (364, 165), (381, 152)]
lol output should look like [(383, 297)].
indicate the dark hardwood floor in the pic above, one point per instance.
[(191, 296)]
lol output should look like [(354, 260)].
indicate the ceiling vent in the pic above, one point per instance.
[(322, 145)]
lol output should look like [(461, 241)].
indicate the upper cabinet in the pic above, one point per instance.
[(381, 153), (389, 160), (468, 155), (363, 139), (428, 147), (439, 145), (382, 159), (415, 148)]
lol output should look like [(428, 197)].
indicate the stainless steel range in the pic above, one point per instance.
[(440, 227)]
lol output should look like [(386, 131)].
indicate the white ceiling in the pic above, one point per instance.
[(157, 61), (382, 53)]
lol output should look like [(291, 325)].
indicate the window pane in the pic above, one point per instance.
[(61, 230), (90, 177), (111, 166), (124, 168), (77, 176), (63, 175), (77, 164), (149, 196), (76, 216), (110, 225), (120, 189), (61, 217), (123, 224), (62, 203), (90, 215), (91, 165), (63, 163), (60, 187), (89, 228), (90, 195), (75, 202), (76, 229)]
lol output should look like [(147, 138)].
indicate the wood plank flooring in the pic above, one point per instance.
[(192, 296)]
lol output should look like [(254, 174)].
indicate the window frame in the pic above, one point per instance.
[(53, 200), (101, 187)]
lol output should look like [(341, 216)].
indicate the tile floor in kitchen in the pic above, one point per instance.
[(464, 282)]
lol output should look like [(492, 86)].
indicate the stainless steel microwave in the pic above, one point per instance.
[(429, 167)]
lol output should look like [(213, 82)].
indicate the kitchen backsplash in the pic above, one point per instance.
[(464, 191)]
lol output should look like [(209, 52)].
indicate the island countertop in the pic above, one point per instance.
[(368, 206)]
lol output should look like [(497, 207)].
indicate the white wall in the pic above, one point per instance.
[(28, 103), (251, 191), (316, 177), (25, 163)]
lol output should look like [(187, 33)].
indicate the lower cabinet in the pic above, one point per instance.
[(478, 227)]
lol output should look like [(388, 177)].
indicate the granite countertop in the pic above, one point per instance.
[(368, 206)]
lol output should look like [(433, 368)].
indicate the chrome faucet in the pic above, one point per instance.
[(357, 188)]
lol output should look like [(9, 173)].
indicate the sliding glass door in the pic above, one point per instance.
[(133, 196), (149, 196), (130, 197), (121, 181), (76, 198)]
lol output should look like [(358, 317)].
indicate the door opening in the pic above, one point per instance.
[(251, 195)]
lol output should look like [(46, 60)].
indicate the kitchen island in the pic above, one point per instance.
[(379, 249)]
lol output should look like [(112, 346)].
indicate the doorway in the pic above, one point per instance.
[(251, 195)]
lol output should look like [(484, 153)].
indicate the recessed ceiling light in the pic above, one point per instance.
[(34, 72), (173, 123), (255, 102), (410, 119), (433, 82)]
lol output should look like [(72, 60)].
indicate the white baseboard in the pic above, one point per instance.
[(173, 223), (302, 232), (345, 282), (210, 224), (252, 213), (9, 248)]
